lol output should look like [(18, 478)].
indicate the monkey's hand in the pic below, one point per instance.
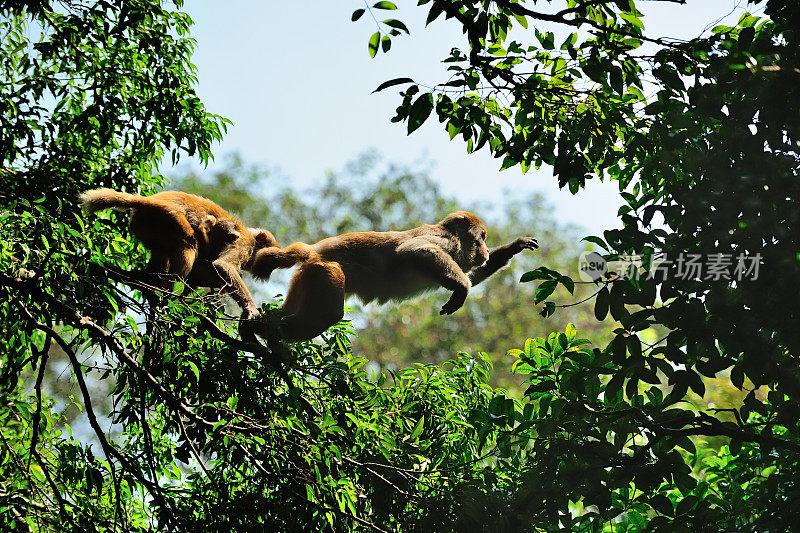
[(455, 302), (526, 243), (250, 312)]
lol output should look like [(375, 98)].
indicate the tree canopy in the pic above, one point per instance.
[(202, 433)]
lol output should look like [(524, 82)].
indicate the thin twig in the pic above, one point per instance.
[(37, 416)]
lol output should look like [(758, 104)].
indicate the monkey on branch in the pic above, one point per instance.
[(382, 266), (191, 237)]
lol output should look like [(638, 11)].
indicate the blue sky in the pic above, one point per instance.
[(296, 80)]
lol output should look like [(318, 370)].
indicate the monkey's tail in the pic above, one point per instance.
[(100, 199), (271, 258)]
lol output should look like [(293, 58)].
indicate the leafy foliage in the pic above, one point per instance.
[(708, 167), (387, 28), (95, 91), (204, 434)]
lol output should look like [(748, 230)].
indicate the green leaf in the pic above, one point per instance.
[(521, 367), (394, 23), (571, 331), (638, 93), (373, 43), (569, 41), (24, 409), (232, 402), (386, 43), (601, 304), (420, 111), (195, 370), (623, 5), (548, 309), (508, 162), (436, 10), (544, 290), (94, 478), (633, 19), (392, 83), (695, 383), (685, 482), (616, 81), (356, 14), (596, 240), (452, 130), (454, 83), (539, 273), (567, 283), (563, 341), (686, 443), (634, 347), (384, 5), (546, 39), (747, 20), (632, 43), (417, 431)]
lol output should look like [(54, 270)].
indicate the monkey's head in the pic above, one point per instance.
[(471, 232), (264, 239), (225, 230)]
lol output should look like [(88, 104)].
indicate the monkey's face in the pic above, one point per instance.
[(479, 253), (264, 239), (471, 233)]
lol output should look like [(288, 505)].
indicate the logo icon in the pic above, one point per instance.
[(591, 266)]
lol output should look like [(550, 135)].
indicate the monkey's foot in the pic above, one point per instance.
[(451, 306)]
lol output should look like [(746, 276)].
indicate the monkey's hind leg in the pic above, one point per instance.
[(169, 237), (173, 249), (314, 302)]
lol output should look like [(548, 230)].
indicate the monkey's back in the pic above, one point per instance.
[(175, 216), (195, 208), (373, 268)]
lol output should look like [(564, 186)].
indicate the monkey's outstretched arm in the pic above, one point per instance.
[(500, 256), (438, 263)]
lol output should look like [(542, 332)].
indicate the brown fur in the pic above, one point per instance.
[(189, 236), (383, 266), (212, 230)]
